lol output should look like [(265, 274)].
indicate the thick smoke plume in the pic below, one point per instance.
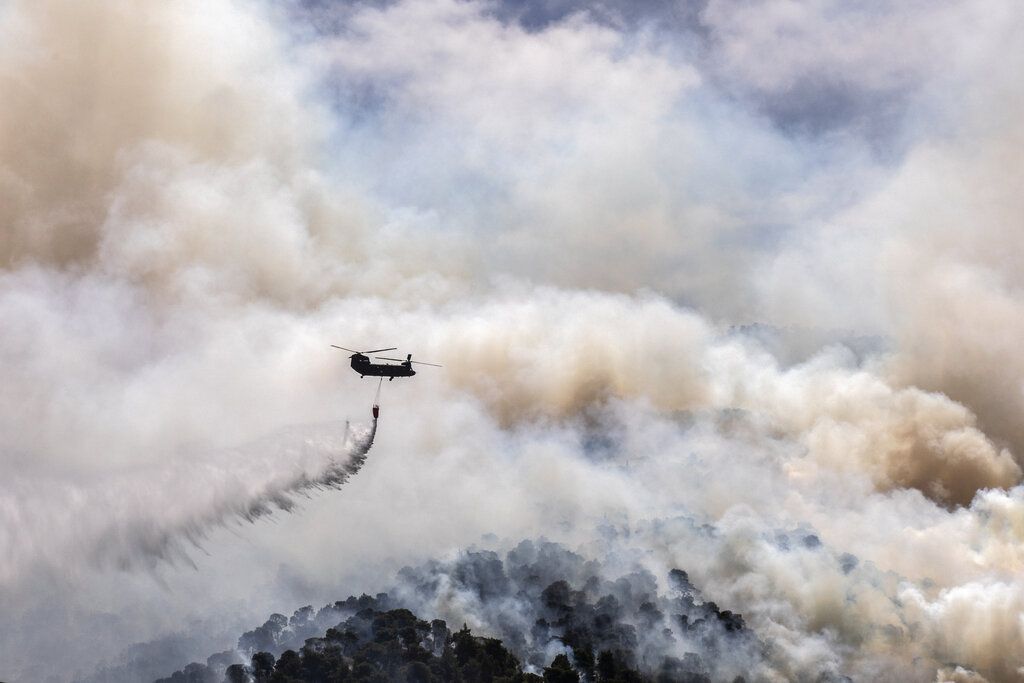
[(707, 282)]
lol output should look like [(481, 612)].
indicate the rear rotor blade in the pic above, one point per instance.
[(403, 360)]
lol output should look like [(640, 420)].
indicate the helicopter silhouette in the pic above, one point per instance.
[(361, 364)]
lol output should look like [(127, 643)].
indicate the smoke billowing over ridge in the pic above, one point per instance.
[(752, 267)]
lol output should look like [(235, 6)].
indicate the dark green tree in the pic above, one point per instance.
[(236, 673), (262, 667), (561, 671)]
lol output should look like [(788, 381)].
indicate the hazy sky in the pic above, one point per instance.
[(754, 265)]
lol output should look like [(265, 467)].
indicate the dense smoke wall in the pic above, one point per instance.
[(713, 276)]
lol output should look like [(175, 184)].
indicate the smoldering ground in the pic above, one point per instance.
[(570, 213)]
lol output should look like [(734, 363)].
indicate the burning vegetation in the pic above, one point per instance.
[(541, 613)]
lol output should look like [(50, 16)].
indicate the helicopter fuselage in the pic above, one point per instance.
[(364, 367)]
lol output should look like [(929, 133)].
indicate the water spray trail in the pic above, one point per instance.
[(332, 476), (150, 525), (318, 460)]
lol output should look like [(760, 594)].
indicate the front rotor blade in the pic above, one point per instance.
[(343, 348), (379, 350), (400, 360)]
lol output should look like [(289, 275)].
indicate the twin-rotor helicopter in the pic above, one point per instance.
[(361, 363)]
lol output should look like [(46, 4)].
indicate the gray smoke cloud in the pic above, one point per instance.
[(643, 243)]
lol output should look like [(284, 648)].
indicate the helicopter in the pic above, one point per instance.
[(361, 364)]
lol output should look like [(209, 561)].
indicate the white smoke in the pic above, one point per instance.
[(576, 219)]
